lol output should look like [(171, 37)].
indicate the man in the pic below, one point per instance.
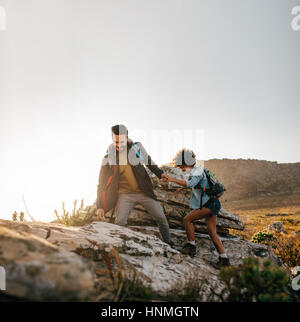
[(124, 181)]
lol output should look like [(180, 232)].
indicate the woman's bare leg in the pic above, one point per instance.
[(211, 223), (195, 214)]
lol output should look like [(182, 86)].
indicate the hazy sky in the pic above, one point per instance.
[(69, 69)]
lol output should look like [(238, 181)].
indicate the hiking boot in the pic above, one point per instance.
[(223, 261), (189, 249)]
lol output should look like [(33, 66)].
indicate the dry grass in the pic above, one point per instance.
[(259, 216)]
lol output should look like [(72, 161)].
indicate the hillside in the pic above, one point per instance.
[(257, 179)]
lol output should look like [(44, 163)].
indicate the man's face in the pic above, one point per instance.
[(120, 142)]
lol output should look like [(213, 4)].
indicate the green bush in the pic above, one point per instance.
[(262, 237), (256, 281)]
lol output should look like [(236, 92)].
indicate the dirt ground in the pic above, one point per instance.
[(258, 213)]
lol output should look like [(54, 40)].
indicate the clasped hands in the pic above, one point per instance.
[(165, 178)]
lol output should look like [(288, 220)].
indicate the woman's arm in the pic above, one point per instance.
[(190, 183), (180, 182)]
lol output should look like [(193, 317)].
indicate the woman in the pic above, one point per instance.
[(186, 160)]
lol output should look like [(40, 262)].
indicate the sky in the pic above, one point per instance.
[(220, 77)]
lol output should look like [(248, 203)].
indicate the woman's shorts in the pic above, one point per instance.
[(214, 205)]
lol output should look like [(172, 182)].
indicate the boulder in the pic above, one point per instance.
[(39, 270), (48, 261), (277, 227), (176, 206)]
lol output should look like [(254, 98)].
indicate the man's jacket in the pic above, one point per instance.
[(108, 183)]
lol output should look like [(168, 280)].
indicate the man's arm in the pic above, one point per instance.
[(101, 182), (147, 160)]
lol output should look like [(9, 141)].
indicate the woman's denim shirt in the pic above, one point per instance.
[(197, 175)]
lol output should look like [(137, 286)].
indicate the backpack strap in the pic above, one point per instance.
[(134, 146)]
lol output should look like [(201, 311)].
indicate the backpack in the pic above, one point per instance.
[(216, 189)]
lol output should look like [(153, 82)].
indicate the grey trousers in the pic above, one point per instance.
[(127, 201)]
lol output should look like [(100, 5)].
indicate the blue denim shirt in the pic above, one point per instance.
[(197, 175)]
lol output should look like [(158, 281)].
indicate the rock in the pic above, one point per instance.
[(39, 270), (46, 261), (297, 233), (176, 207), (277, 227)]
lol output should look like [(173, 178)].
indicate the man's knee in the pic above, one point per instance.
[(121, 220), (160, 218)]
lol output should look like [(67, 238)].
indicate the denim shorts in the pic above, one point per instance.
[(214, 205)]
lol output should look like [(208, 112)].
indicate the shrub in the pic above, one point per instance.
[(77, 217), (21, 216), (263, 237), (287, 248), (15, 216), (256, 281)]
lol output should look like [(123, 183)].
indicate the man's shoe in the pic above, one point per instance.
[(189, 249), (223, 261)]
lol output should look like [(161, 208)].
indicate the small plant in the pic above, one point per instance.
[(127, 286), (21, 216), (130, 286), (77, 217), (15, 216), (256, 281), (190, 289), (263, 237)]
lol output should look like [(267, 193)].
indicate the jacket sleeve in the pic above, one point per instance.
[(192, 181), (148, 162), (101, 182)]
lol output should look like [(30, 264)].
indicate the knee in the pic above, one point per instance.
[(161, 219)]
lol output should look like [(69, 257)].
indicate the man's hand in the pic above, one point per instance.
[(100, 214), (164, 177)]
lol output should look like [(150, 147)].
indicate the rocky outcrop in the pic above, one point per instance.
[(47, 261), (40, 270), (176, 206)]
